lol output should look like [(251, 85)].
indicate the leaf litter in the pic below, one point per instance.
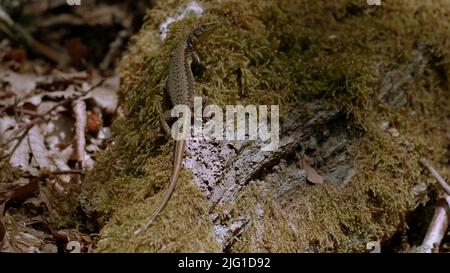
[(54, 119)]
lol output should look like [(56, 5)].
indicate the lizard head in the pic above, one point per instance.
[(200, 33)]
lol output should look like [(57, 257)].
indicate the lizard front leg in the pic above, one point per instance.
[(198, 67), (196, 60)]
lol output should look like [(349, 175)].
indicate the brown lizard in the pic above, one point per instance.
[(180, 87)]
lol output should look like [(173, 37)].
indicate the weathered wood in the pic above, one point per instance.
[(250, 161)]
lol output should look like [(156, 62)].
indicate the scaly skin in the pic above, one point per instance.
[(180, 86)]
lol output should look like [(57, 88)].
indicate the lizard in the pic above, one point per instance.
[(180, 86)]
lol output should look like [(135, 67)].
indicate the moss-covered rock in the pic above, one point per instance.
[(281, 52)]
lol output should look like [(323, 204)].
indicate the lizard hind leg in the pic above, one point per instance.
[(164, 119)]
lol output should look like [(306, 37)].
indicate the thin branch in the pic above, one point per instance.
[(79, 108), (436, 175), (438, 226), (80, 172), (113, 49), (24, 111)]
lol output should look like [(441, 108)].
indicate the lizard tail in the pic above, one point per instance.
[(179, 151)]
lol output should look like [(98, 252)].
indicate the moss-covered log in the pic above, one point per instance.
[(386, 67)]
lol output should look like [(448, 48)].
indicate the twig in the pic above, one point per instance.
[(438, 226), (113, 49), (79, 108), (436, 175), (439, 223), (24, 111), (80, 172), (20, 136)]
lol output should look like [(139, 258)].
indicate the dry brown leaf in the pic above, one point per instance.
[(6, 95), (13, 194), (313, 176), (18, 55), (94, 122), (72, 241), (77, 50)]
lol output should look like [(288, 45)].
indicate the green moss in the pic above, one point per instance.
[(184, 226), (287, 52), (7, 172)]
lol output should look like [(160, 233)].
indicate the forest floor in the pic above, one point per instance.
[(363, 94)]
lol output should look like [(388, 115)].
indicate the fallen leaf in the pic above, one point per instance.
[(38, 149), (21, 84), (59, 131), (313, 176), (72, 241), (106, 94), (13, 194), (77, 50), (88, 162), (4, 95), (18, 55), (60, 160), (34, 100), (29, 105), (18, 193), (21, 155), (94, 122), (7, 127)]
